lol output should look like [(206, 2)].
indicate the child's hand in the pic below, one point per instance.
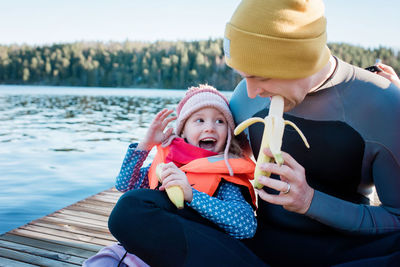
[(155, 134), (172, 175)]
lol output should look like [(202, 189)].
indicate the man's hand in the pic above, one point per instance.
[(295, 193)]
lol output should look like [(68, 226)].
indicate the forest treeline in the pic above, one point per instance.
[(144, 65)]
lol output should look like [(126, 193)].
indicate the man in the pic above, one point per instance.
[(314, 210)]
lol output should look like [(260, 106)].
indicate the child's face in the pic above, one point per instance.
[(207, 129)]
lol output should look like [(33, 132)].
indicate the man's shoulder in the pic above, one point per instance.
[(359, 87)]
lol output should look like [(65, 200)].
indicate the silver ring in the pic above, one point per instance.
[(288, 189)]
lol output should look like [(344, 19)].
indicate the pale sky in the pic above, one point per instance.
[(368, 23)]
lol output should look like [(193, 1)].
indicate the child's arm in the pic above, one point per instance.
[(131, 175), (229, 210)]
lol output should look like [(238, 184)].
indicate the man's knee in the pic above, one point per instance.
[(133, 207)]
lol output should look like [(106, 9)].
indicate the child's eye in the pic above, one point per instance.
[(220, 121), (199, 120)]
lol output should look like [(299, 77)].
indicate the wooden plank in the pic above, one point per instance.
[(85, 207), (94, 207), (76, 230), (91, 207), (84, 214), (38, 235), (79, 219), (68, 243), (110, 195), (115, 195), (104, 199), (51, 246), (68, 223), (28, 258), (99, 203), (41, 252), (68, 235), (14, 263)]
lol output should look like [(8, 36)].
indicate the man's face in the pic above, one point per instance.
[(293, 91)]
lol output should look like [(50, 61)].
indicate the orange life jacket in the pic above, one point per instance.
[(205, 174)]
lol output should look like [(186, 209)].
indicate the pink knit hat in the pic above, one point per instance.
[(200, 97)]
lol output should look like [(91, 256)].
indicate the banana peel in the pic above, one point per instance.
[(274, 126), (175, 193)]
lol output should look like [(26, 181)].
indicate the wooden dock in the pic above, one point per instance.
[(66, 237)]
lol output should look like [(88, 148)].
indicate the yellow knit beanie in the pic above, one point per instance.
[(281, 39)]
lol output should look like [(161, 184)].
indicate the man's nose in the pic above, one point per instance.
[(252, 89)]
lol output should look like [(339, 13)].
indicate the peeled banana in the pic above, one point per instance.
[(272, 136), (175, 193)]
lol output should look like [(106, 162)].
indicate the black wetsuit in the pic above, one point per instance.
[(353, 126)]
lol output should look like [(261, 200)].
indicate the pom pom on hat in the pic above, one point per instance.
[(281, 39)]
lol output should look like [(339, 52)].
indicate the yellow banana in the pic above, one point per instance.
[(175, 193), (272, 136)]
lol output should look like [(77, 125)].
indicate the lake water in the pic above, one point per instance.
[(59, 145)]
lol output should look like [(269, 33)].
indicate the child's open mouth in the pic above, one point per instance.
[(207, 143)]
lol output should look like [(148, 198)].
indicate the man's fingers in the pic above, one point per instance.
[(287, 159), (290, 161), (267, 152), (273, 199), (282, 170), (278, 185)]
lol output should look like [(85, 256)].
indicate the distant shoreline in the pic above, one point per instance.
[(163, 64)]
